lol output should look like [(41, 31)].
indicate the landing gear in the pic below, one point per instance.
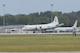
[(33, 31), (43, 31)]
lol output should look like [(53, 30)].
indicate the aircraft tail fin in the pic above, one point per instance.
[(75, 24), (55, 21)]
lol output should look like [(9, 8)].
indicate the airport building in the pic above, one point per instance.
[(11, 29)]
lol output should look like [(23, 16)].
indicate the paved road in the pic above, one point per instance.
[(39, 52), (31, 33), (35, 33)]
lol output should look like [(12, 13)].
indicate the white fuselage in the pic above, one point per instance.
[(64, 29), (38, 27)]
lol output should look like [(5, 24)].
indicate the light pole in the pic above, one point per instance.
[(51, 12), (3, 14)]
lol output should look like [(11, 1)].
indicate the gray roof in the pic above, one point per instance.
[(12, 27)]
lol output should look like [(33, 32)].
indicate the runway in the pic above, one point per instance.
[(34, 33), (39, 52)]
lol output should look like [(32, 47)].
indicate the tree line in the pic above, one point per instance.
[(41, 18)]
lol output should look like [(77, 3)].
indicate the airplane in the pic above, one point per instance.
[(67, 29), (43, 27)]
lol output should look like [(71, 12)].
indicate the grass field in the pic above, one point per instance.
[(39, 43)]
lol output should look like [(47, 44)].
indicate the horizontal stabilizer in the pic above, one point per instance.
[(60, 24)]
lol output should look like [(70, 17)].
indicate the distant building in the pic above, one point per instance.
[(11, 28)]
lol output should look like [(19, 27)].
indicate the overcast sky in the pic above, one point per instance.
[(30, 6)]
